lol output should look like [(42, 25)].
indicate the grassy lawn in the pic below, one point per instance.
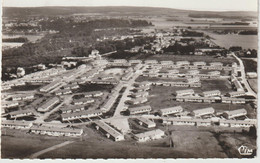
[(250, 65), (18, 144), (162, 97)]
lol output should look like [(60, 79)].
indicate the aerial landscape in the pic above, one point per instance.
[(128, 82)]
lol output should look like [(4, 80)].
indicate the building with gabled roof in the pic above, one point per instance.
[(109, 131), (185, 92), (235, 113), (140, 109), (46, 106), (80, 115), (204, 111), (149, 135), (211, 93), (55, 131), (170, 110), (16, 124), (145, 122)]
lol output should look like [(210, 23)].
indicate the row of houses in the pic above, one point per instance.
[(55, 131), (211, 99), (83, 101), (176, 84), (191, 92), (209, 122), (21, 113), (22, 97), (81, 114)]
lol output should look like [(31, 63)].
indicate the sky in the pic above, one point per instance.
[(205, 5)]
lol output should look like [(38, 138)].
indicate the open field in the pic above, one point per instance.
[(245, 41), (250, 65), (162, 97), (18, 144), (189, 142)]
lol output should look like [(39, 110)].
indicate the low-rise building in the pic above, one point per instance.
[(236, 93), (170, 110), (55, 131), (185, 92), (16, 124), (235, 113), (211, 93), (237, 123), (9, 104), (199, 63), (85, 114), (63, 92), (50, 86), (140, 109), (46, 106), (20, 113), (93, 94), (145, 122), (233, 100), (109, 131), (71, 109), (83, 101), (202, 112), (182, 63), (23, 97), (149, 135)]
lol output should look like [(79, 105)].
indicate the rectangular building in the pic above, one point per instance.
[(109, 131), (211, 93), (140, 109), (185, 92), (55, 131), (235, 113), (16, 124), (170, 110), (145, 122), (80, 115), (202, 112), (46, 106), (149, 135)]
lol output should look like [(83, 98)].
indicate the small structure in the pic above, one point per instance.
[(235, 113), (171, 110), (140, 109), (149, 135), (211, 93), (48, 104), (185, 92), (16, 124), (80, 115), (201, 112), (55, 131), (20, 113), (145, 122), (109, 131)]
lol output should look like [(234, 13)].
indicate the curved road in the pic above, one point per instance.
[(243, 76)]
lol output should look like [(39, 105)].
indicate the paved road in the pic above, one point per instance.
[(128, 84), (37, 154), (243, 77)]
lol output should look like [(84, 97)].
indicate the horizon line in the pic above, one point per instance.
[(225, 10)]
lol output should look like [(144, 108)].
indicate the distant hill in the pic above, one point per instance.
[(12, 12)]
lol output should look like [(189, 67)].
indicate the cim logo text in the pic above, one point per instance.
[(245, 151)]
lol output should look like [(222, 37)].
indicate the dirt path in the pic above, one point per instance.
[(37, 154)]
